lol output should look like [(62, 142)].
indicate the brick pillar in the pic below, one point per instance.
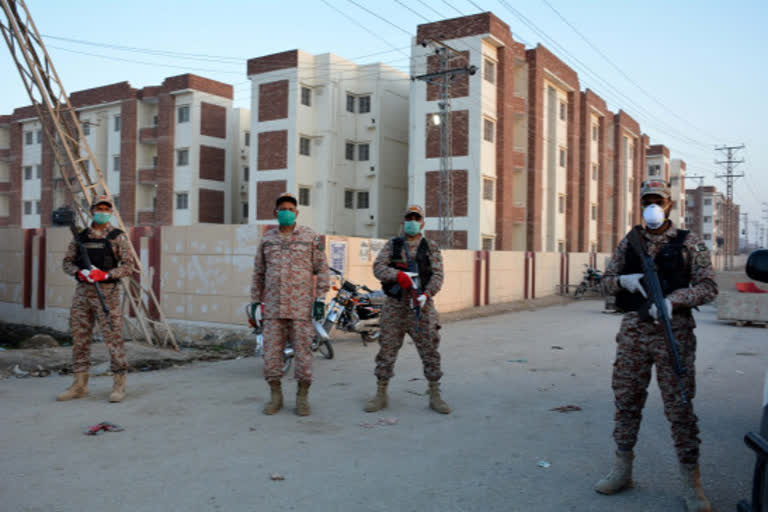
[(14, 197), (128, 167), (165, 160), (574, 179), (535, 160), (48, 159)]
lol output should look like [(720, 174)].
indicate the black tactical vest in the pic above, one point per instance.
[(99, 251), (420, 265), (673, 267)]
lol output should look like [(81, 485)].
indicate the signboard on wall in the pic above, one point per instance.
[(338, 255), (364, 251), (377, 244)]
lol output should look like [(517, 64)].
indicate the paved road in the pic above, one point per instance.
[(195, 438)]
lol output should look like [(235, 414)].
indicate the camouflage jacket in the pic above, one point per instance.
[(387, 274), (120, 248), (284, 271), (702, 289)]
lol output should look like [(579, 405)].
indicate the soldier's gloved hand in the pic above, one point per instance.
[(84, 275), (318, 309), (404, 280), (654, 312), (631, 283), (97, 275), (422, 299)]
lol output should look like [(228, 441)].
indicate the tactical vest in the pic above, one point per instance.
[(99, 251), (673, 267), (420, 265)]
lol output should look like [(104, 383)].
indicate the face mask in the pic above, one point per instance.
[(412, 227), (101, 217), (286, 218), (654, 216)]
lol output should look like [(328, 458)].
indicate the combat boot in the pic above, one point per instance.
[(436, 402), (620, 477), (78, 389), (693, 494), (380, 401), (118, 388), (276, 398), (302, 399)]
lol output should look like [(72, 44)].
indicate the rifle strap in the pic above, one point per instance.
[(635, 239)]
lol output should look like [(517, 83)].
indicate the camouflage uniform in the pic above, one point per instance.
[(641, 344), (397, 317), (86, 307), (283, 272)]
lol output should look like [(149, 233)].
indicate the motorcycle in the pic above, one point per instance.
[(590, 282), (318, 343), (355, 308)]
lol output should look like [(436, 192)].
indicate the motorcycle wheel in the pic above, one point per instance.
[(325, 348), (580, 290), (370, 337)]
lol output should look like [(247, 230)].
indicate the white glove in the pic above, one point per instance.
[(631, 283), (257, 314), (655, 312), (422, 299)]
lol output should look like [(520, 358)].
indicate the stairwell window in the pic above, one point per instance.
[(489, 71), (594, 172), (561, 203), (247, 138), (182, 157), (29, 138), (182, 114), (362, 200), (489, 128), (563, 111), (350, 103), (363, 152), (304, 195), (86, 128), (562, 157), (364, 104), (116, 163), (594, 132), (304, 146), (349, 151), (116, 124), (349, 199), (28, 172), (594, 212), (306, 96), (39, 171), (27, 207), (488, 189), (182, 201), (39, 136)]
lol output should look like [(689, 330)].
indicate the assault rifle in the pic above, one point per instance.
[(86, 261), (656, 296)]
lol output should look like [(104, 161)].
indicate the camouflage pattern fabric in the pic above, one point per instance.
[(284, 271), (86, 307), (397, 317), (276, 333), (641, 344)]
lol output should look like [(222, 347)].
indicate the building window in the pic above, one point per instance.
[(363, 152), (246, 174), (594, 132), (654, 170), (29, 138), (304, 146), (708, 202), (116, 125), (631, 152), (116, 163), (563, 111), (306, 96), (364, 104), (182, 201), (349, 151), (594, 172), (707, 219), (39, 171), (303, 196), (155, 120), (182, 114), (594, 212), (154, 162), (28, 172), (350, 103), (688, 220), (182, 157), (247, 138), (245, 210), (27, 207), (562, 158), (487, 243), (488, 189), (560, 246), (561, 203), (488, 130), (349, 199), (86, 128), (707, 236), (37, 207), (489, 71), (362, 200), (39, 136)]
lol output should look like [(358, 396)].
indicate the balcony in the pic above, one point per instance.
[(5, 155), (146, 217), (148, 135), (148, 176)]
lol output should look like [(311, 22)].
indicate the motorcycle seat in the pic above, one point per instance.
[(377, 297)]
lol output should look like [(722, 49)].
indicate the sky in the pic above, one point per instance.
[(689, 71)]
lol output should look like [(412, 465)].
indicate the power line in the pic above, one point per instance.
[(452, 7)]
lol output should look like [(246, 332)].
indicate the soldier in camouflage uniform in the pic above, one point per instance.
[(109, 252), (290, 273), (421, 256), (688, 280)]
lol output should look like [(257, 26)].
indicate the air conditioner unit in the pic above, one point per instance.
[(372, 168), (244, 188), (370, 221)]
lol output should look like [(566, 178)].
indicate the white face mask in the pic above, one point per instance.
[(654, 216)]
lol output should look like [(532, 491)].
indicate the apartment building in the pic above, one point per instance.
[(240, 128), (489, 127), (165, 152), (335, 134), (677, 169), (703, 215), (596, 177), (9, 210)]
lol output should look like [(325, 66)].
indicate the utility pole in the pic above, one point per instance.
[(444, 78), (763, 225), (729, 163), (746, 230)]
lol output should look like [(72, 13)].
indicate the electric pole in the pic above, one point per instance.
[(763, 237), (729, 176), (444, 78)]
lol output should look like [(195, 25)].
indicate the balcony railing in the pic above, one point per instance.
[(148, 135)]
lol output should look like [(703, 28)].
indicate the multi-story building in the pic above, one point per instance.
[(702, 214), (335, 134), (677, 188), (165, 153), (9, 210), (240, 177), (596, 177)]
